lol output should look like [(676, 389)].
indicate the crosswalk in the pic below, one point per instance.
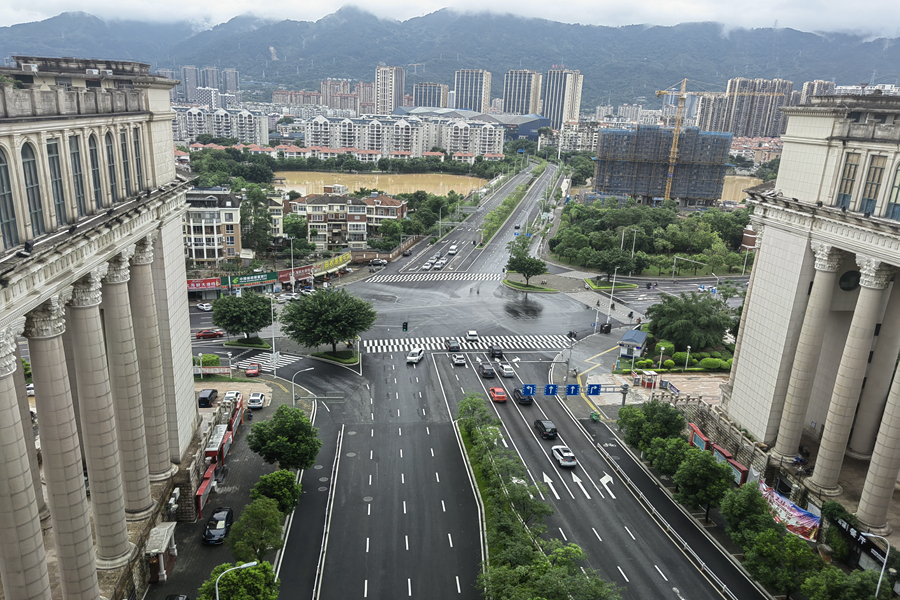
[(264, 359), (439, 276), (507, 342)]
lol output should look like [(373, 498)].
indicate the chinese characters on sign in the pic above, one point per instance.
[(203, 284)]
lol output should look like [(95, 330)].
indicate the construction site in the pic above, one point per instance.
[(638, 163)]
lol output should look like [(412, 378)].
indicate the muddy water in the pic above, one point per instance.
[(311, 182), (734, 186)]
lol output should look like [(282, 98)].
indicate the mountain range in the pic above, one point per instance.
[(619, 64)]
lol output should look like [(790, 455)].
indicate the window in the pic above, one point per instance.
[(111, 161), (229, 229), (893, 207), (873, 183), (848, 179), (229, 240), (231, 252), (56, 182), (229, 217), (139, 184), (8, 227), (33, 190), (95, 171), (124, 138), (77, 175)]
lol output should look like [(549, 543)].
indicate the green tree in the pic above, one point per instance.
[(287, 438), (251, 583), (746, 514), (667, 454), (281, 486), (608, 260), (295, 226), (257, 532), (473, 414), (247, 313), (527, 266), (769, 170), (780, 561), (327, 317), (833, 584), (256, 221), (702, 480), (698, 320), (654, 419)]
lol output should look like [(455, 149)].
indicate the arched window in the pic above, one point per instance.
[(125, 166), (893, 207), (7, 210), (56, 182), (33, 190), (77, 174), (138, 168), (94, 151), (111, 162)]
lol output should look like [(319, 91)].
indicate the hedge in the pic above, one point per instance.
[(711, 363)]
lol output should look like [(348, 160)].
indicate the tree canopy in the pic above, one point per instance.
[(281, 486), (257, 532), (780, 561), (287, 438), (702, 480), (256, 221), (667, 454), (698, 320), (247, 313), (327, 317), (520, 262), (746, 514), (833, 584), (251, 583), (653, 419)]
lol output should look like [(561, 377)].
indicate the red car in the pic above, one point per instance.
[(497, 394), (209, 333), (252, 370)]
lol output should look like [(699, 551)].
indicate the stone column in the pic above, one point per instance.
[(875, 276), (98, 423), (809, 348), (23, 563), (63, 469), (149, 353), (123, 367), (28, 427), (740, 336), (884, 467)]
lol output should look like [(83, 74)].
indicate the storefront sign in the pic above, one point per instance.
[(250, 280), (203, 284), (300, 274), (320, 268)]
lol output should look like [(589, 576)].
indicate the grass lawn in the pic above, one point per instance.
[(527, 288)]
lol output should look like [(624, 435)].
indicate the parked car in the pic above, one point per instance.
[(506, 370), (563, 456), (451, 344), (458, 359), (204, 306), (407, 253), (307, 292), (252, 370), (471, 335), (257, 400), (546, 429), (29, 389), (522, 398), (288, 297), (218, 525), (233, 395), (486, 371), (207, 397), (415, 355), (497, 394), (495, 351), (439, 265), (437, 256), (377, 262), (205, 334)]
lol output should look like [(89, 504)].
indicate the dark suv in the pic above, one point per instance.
[(495, 351), (487, 371), (521, 398), (207, 397), (451, 344), (546, 428)]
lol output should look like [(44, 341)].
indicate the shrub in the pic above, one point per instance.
[(663, 343), (669, 364), (728, 364), (711, 363), (209, 360), (702, 355), (715, 354), (644, 364), (834, 537), (680, 358), (694, 362)]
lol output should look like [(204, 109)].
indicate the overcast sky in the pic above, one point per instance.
[(871, 17)]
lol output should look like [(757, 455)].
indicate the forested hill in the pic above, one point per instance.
[(618, 63)]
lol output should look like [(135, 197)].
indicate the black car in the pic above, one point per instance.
[(518, 226), (495, 351), (407, 253), (377, 262), (487, 371), (521, 398), (451, 344), (546, 429), (218, 525)]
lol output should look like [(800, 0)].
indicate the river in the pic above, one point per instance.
[(312, 182)]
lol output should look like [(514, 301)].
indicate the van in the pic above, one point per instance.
[(207, 397), (453, 250)]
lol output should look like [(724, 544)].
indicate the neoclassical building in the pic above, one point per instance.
[(92, 275), (820, 332)]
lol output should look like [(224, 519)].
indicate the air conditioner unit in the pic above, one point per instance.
[(94, 72), (30, 67), (106, 73)]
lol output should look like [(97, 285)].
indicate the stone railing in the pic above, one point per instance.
[(61, 100)]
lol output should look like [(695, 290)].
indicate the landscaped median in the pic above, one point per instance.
[(607, 286), (516, 285)]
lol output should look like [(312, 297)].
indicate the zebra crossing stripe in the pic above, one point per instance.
[(416, 277), (511, 343)]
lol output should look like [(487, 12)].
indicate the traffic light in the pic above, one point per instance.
[(404, 325)]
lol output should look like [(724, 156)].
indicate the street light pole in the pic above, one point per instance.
[(292, 264), (688, 359), (243, 566), (200, 363), (746, 256), (274, 354), (611, 292), (293, 396), (230, 372), (884, 563)]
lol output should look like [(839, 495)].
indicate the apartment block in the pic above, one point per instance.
[(389, 87), (209, 77), (433, 95), (562, 96), (522, 92), (748, 108), (249, 127), (190, 81), (211, 227), (472, 89)]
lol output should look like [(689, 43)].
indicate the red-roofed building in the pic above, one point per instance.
[(439, 155), (464, 157)]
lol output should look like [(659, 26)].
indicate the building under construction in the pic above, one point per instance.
[(635, 163)]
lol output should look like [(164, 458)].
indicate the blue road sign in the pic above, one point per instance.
[(573, 389), (529, 389), (593, 389), (551, 389), (527, 235), (516, 234), (593, 324), (521, 150)]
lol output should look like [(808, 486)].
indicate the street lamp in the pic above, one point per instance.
[(200, 363), (633, 240), (230, 372), (243, 566), (688, 359), (884, 563), (274, 354), (293, 397), (292, 264), (611, 292), (440, 227)]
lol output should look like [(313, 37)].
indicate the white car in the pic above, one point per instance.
[(257, 400), (563, 456), (204, 306), (233, 396), (471, 336), (427, 266), (29, 389), (438, 265), (505, 370), (415, 355), (287, 297)]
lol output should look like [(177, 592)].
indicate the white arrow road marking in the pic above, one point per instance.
[(549, 483), (604, 481), (578, 481)]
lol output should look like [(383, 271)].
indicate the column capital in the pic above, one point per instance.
[(828, 258), (119, 268), (8, 343), (47, 320), (86, 291), (143, 254), (874, 274), (759, 228)]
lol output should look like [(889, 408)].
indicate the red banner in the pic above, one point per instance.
[(300, 273), (203, 284)]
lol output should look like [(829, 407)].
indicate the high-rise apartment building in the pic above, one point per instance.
[(169, 74), (433, 95), (208, 97), (473, 89), (389, 85), (522, 92), (819, 87), (230, 83), (209, 77), (562, 96), (330, 88), (365, 98), (190, 81), (748, 108)]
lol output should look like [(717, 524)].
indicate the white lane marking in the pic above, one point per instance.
[(443, 507), (401, 452), (369, 513), (372, 415), (450, 539), (370, 454), (404, 507), (623, 574), (395, 381), (371, 400), (409, 586), (427, 430), (399, 431), (597, 534), (437, 476), (398, 412), (631, 534), (367, 545), (462, 390), (326, 407), (458, 589), (605, 481), (432, 453), (365, 588), (396, 395), (406, 537), (370, 479), (373, 432), (402, 478), (661, 573), (562, 533), (417, 380), (549, 483)]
